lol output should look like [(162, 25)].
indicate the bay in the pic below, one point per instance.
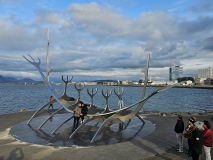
[(31, 97)]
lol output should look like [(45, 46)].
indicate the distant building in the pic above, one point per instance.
[(148, 81), (159, 83), (205, 73), (171, 82), (185, 79), (199, 81), (132, 83), (175, 73), (162, 82), (208, 81), (187, 82), (90, 83), (124, 82)]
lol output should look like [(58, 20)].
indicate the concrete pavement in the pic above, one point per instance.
[(159, 145)]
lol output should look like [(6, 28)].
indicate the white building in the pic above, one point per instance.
[(199, 81), (188, 82), (205, 73), (172, 82), (125, 82), (159, 83), (162, 82)]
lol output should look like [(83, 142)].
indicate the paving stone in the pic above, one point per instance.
[(157, 145)]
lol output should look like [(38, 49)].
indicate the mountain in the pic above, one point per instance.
[(105, 80), (7, 79), (26, 80), (14, 80), (100, 81)]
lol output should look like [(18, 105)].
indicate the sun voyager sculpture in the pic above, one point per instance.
[(104, 116)]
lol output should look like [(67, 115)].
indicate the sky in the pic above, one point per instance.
[(105, 39)]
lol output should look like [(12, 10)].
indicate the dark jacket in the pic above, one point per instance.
[(179, 127), (84, 110), (197, 141)]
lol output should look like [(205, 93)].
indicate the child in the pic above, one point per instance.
[(51, 105)]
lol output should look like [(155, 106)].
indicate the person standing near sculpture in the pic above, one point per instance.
[(84, 111), (179, 128), (188, 134), (197, 140), (51, 105), (207, 139), (77, 114)]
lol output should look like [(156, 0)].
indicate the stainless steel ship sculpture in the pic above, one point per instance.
[(104, 116)]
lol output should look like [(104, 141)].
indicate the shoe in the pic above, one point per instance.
[(180, 151), (177, 149)]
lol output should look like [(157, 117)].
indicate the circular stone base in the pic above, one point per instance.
[(132, 129)]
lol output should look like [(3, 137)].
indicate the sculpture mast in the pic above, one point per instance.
[(145, 71), (48, 69)]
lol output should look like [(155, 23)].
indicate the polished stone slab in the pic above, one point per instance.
[(133, 129)]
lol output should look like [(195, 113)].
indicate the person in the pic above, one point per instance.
[(51, 105), (207, 139), (77, 114), (84, 111), (197, 140), (22, 110), (179, 128), (188, 134), (120, 105)]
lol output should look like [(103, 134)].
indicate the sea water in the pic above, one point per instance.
[(31, 97)]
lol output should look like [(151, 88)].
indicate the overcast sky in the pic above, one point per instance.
[(105, 39)]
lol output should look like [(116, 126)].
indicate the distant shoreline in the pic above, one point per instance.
[(181, 86), (172, 114), (126, 85)]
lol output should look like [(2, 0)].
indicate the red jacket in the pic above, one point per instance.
[(207, 138)]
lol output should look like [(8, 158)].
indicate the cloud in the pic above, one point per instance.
[(106, 23), (205, 6), (198, 26), (92, 41), (18, 36), (206, 43)]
